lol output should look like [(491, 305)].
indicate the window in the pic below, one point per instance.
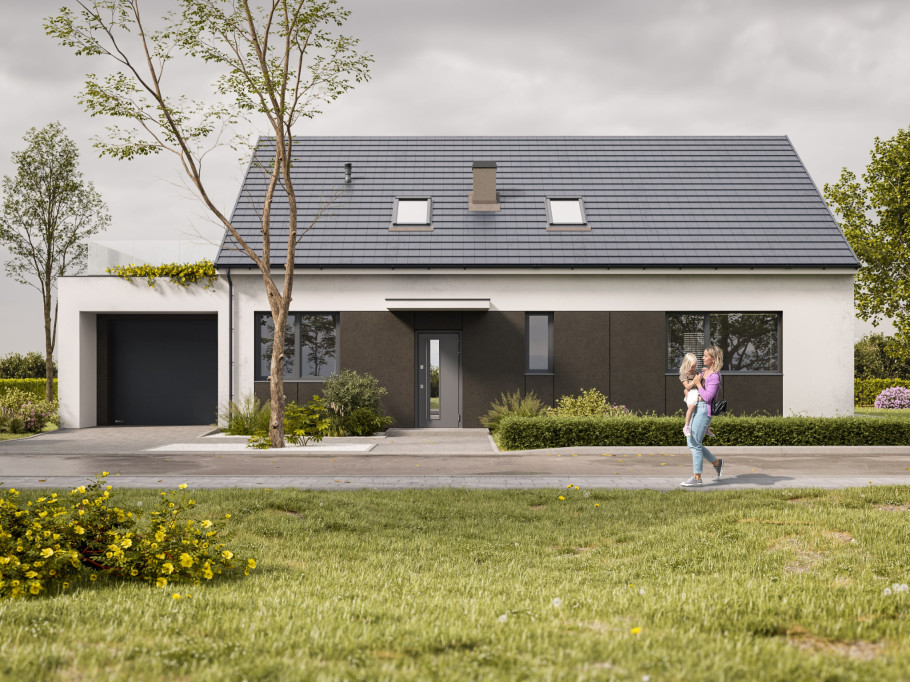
[(539, 333), (310, 345), (412, 212), (565, 211), (750, 341)]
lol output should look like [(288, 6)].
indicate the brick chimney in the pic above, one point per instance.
[(484, 197)]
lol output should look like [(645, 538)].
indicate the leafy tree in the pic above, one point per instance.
[(875, 216), (278, 61), (48, 214), (877, 356)]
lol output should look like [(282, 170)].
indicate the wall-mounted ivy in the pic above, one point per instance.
[(182, 274)]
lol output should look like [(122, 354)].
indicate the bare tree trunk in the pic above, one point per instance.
[(48, 352), (276, 376)]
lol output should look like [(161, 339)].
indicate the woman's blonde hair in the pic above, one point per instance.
[(689, 363), (718, 356)]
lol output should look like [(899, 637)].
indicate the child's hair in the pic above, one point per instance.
[(689, 362)]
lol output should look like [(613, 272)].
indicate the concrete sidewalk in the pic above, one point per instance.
[(166, 456)]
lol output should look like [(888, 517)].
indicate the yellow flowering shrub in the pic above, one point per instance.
[(182, 274), (52, 541)]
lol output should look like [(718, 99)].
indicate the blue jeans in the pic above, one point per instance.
[(698, 425)]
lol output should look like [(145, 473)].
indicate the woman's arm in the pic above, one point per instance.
[(712, 385)]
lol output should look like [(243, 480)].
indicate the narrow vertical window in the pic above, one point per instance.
[(539, 334)]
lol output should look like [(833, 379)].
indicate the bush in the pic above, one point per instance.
[(28, 366), (525, 433), (18, 406), (865, 391), (302, 424), (528, 405), (365, 422), (244, 417), (47, 543), (348, 392), (34, 387), (877, 356), (895, 398), (591, 403)]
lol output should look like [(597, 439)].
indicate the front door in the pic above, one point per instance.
[(439, 380)]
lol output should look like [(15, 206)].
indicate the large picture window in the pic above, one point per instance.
[(750, 341), (310, 345)]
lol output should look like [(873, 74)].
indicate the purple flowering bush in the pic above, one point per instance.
[(894, 398), (19, 407)]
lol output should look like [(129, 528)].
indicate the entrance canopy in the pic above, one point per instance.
[(480, 304)]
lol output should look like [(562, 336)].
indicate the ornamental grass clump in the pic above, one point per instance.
[(894, 398), (511, 404), (48, 544)]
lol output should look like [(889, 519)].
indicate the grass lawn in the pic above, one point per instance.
[(14, 436), (456, 584), (872, 412)]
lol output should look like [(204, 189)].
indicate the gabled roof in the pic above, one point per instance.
[(650, 202)]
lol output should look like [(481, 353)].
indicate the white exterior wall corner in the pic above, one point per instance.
[(816, 306), (82, 299)]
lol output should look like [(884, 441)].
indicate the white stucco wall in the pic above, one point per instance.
[(816, 307), (82, 299)]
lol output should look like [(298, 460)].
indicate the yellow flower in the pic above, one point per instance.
[(227, 516), (127, 543), (167, 568), (175, 596), (93, 577), (561, 497), (636, 630), (161, 582), (47, 553), (31, 574), (79, 530), (66, 586), (104, 473), (227, 554), (186, 560), (35, 588), (597, 504), (81, 489), (206, 524), (251, 563), (182, 486), (134, 572)]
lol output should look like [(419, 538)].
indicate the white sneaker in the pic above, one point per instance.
[(692, 482)]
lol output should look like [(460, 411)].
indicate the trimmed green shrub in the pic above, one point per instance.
[(591, 403), (528, 405), (35, 387), (527, 433), (865, 391), (28, 366), (302, 424)]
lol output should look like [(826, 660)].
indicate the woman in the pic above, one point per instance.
[(712, 360)]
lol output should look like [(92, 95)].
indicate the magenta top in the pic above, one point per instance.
[(710, 389)]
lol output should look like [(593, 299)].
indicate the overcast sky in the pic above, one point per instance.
[(831, 74)]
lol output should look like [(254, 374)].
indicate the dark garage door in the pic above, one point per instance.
[(161, 369)]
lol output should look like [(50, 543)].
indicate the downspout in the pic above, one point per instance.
[(230, 337)]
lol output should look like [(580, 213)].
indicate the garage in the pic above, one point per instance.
[(157, 370)]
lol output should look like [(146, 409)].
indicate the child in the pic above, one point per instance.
[(690, 393)]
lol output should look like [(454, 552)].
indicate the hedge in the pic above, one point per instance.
[(865, 391), (34, 386), (531, 433)]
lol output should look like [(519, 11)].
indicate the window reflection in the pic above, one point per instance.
[(434, 378)]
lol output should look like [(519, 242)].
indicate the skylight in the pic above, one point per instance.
[(412, 212), (566, 212)]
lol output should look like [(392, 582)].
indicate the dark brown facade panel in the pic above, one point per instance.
[(492, 360), (756, 393), (438, 321), (674, 403), (542, 385), (637, 360), (382, 343), (581, 352)]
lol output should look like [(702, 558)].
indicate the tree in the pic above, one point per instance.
[(48, 214), (875, 216), (277, 60)]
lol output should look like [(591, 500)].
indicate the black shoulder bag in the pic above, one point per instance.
[(719, 406)]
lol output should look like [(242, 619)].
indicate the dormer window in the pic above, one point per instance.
[(565, 212), (412, 214)]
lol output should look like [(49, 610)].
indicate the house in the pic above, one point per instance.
[(458, 268)]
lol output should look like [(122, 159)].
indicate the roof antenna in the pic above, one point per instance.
[(347, 174)]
